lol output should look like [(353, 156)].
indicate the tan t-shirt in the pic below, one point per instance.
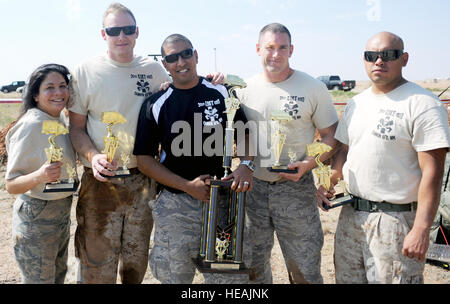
[(103, 85), (26, 145), (304, 98), (384, 132)]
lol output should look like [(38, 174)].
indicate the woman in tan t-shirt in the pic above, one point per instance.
[(41, 221)]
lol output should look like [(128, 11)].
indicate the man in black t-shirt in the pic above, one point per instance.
[(187, 120)]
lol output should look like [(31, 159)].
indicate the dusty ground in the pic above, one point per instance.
[(9, 272)]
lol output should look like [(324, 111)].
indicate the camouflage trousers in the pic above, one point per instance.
[(41, 233), (114, 227), (368, 248), (178, 226), (289, 209)]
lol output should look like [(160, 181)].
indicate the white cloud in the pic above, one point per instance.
[(73, 9)]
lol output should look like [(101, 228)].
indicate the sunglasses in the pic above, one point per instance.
[(388, 55), (186, 54), (115, 31)]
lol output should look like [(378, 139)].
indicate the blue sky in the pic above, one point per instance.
[(328, 36)]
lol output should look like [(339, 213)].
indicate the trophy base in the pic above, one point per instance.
[(121, 172), (224, 266), (61, 186), (340, 200), (282, 169)]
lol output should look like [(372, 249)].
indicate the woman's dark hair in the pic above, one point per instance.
[(34, 83)]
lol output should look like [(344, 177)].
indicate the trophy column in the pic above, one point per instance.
[(204, 229), (212, 225), (239, 228), (221, 248)]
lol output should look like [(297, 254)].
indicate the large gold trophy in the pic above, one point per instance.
[(55, 154), (323, 174), (112, 143), (221, 248), (278, 142)]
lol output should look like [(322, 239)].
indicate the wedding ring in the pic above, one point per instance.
[(246, 183)]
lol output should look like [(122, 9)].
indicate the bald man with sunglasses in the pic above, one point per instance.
[(394, 137)]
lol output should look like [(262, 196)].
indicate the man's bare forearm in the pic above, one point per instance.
[(82, 144), (337, 161), (81, 141), (327, 137), (432, 164)]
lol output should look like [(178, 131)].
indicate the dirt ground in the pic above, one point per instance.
[(9, 272)]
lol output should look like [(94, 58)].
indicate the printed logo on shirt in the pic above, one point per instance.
[(210, 113), (291, 106), (385, 128), (142, 84)]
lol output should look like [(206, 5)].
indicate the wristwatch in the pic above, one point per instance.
[(249, 164)]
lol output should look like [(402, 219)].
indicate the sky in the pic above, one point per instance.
[(329, 36)]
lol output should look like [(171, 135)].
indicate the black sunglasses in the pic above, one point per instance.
[(388, 55), (115, 31), (186, 54)]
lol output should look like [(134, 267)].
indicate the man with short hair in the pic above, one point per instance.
[(394, 139), (114, 220), (183, 170), (284, 202)]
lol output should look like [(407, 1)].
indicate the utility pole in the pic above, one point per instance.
[(215, 60)]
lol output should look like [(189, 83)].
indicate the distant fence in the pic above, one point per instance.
[(445, 101), (11, 100)]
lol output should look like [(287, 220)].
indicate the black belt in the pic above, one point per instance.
[(360, 204), (133, 171)]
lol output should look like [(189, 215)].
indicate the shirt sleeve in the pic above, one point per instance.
[(341, 133), (161, 77), (430, 130), (22, 158), (325, 114), (78, 100), (147, 133)]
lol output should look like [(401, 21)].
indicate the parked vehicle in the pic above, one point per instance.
[(333, 82), (20, 89), (12, 87)]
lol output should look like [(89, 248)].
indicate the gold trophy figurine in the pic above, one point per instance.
[(112, 142), (292, 156), (323, 174), (55, 154), (221, 247), (278, 140), (71, 172)]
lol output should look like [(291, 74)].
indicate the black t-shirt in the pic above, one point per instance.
[(177, 119)]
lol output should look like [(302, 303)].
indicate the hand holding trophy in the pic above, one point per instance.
[(55, 154), (278, 141), (323, 174), (112, 143)]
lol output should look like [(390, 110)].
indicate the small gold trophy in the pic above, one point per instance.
[(112, 143), (55, 154), (278, 140), (221, 248), (323, 174), (292, 156)]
